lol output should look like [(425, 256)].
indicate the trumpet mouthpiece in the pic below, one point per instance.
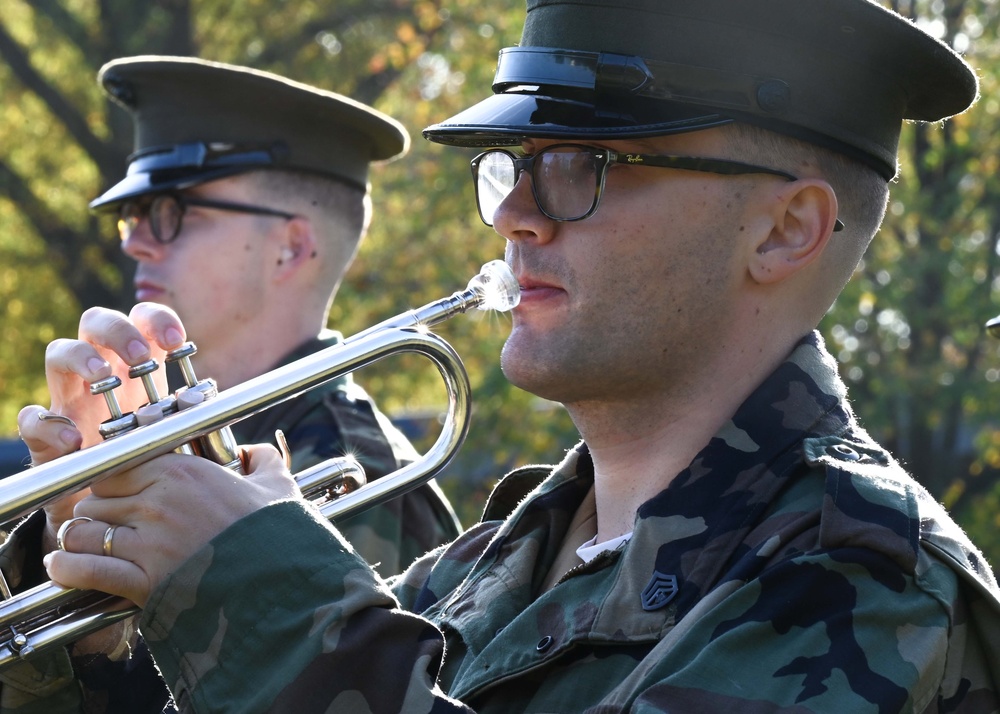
[(497, 287)]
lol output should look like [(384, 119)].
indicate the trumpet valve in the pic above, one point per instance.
[(106, 387), (220, 446), (118, 422), (144, 372), (158, 406), (148, 414), (182, 356)]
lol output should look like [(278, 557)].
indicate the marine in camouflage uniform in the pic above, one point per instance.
[(793, 566), (233, 121)]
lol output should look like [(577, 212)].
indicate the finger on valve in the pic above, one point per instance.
[(159, 324)]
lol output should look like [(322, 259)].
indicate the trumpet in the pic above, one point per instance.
[(49, 615)]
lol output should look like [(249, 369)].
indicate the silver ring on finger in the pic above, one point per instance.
[(64, 529), (109, 536)]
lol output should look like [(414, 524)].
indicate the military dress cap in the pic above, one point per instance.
[(198, 121), (843, 74)]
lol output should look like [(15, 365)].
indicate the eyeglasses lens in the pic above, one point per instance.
[(495, 179), (564, 181), (128, 218), (164, 213)]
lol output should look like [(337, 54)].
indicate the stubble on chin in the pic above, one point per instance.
[(521, 369), (537, 366)]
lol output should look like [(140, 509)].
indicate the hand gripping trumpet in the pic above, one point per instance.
[(49, 615)]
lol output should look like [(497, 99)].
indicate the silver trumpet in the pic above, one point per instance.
[(49, 615)]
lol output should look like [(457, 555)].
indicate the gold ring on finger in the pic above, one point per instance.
[(64, 529), (109, 536)]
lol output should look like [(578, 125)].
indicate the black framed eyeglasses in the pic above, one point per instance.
[(166, 213), (567, 179)]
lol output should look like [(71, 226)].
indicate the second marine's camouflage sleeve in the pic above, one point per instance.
[(107, 671), (46, 685), (391, 535)]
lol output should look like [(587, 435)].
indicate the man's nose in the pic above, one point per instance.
[(518, 216), (139, 243)]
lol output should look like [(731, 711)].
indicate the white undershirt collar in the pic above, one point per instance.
[(590, 550)]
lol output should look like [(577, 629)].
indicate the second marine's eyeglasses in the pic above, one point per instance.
[(166, 212), (567, 179)]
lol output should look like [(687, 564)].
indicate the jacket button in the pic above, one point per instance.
[(544, 643), (844, 452)]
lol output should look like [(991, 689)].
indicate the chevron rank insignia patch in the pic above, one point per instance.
[(660, 591)]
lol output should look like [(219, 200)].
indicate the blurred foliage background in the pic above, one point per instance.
[(908, 331)]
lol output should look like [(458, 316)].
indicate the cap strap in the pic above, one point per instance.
[(603, 72), (208, 155)]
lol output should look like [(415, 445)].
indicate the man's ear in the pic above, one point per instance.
[(298, 246), (804, 213)]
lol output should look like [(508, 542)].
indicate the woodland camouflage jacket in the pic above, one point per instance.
[(792, 567)]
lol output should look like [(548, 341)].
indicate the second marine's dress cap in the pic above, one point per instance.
[(197, 121), (843, 74)]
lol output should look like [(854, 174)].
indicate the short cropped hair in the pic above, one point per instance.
[(862, 194), (342, 202), (342, 211)]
